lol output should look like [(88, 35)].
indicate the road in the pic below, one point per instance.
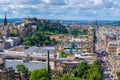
[(105, 64), (107, 72), (106, 69), (99, 42)]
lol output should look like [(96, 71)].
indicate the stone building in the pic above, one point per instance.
[(114, 64), (113, 47), (65, 66), (2, 63), (6, 73), (90, 40), (57, 37), (1, 44), (84, 43)]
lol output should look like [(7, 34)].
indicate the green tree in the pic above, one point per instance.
[(82, 70), (41, 35), (69, 77), (14, 34), (95, 76), (74, 32), (46, 42), (40, 75), (118, 75), (27, 41), (64, 55), (95, 37), (84, 32), (95, 71), (23, 71), (26, 25)]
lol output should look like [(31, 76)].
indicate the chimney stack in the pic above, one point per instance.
[(48, 62)]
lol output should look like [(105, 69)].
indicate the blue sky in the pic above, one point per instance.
[(62, 9)]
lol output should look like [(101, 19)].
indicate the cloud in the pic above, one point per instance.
[(4, 1), (54, 2), (61, 9), (47, 1)]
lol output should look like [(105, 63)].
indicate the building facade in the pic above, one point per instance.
[(6, 73)]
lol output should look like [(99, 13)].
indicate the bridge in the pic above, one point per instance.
[(24, 57)]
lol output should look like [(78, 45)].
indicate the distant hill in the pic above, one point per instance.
[(71, 22), (14, 20), (87, 22)]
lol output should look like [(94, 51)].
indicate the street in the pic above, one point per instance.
[(107, 72), (102, 56)]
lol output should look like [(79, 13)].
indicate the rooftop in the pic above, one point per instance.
[(40, 50)]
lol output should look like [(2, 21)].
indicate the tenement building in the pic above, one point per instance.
[(113, 47)]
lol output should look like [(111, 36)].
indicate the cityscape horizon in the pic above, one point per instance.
[(60, 40)]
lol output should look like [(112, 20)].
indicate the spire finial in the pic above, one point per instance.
[(5, 20)]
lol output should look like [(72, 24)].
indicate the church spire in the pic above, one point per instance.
[(5, 20)]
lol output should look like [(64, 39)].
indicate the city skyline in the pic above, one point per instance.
[(62, 9)]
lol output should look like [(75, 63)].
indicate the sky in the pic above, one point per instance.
[(62, 9)]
